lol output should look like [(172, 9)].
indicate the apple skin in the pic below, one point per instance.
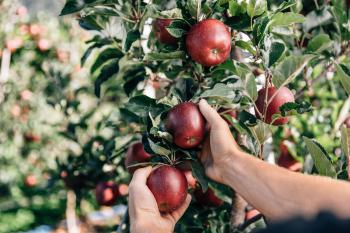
[(169, 187), (106, 193), (209, 42), (136, 154), (32, 137), (284, 95), (30, 181), (347, 122), (160, 32), (286, 160), (186, 124), (208, 198)]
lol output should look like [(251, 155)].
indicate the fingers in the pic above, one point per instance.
[(140, 176), (177, 214), (209, 113)]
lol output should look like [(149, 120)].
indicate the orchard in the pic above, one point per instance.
[(109, 86)]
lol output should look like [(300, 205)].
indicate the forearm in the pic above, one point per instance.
[(279, 193)]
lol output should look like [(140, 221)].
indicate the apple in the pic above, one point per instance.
[(250, 214), (13, 44), (136, 154), (21, 11), (282, 96), (347, 122), (26, 95), (44, 45), (35, 30), (15, 111), (30, 181), (208, 198), (160, 32), (286, 160), (32, 137), (106, 193), (186, 124), (73, 182), (169, 187), (123, 189), (209, 42)]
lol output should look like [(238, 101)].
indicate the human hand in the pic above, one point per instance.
[(143, 210), (219, 147)]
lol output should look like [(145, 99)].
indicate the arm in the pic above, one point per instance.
[(276, 192)]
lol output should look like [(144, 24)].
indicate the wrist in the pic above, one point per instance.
[(230, 169)]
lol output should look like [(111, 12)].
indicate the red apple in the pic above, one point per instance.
[(169, 187), (13, 44), (282, 96), (208, 198), (106, 193), (186, 124), (286, 160), (123, 190), (21, 11), (44, 45), (30, 181), (32, 137), (136, 154), (209, 42), (15, 111), (347, 122), (161, 33), (35, 30), (26, 95)]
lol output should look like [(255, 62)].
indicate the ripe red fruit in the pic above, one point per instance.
[(208, 198), (286, 160), (106, 193), (169, 187), (209, 42), (136, 154), (284, 95), (161, 33), (347, 122), (32, 137), (186, 124), (13, 44), (30, 181)]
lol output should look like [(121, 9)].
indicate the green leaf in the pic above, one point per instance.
[(319, 43), (153, 56), (104, 56), (345, 141), (289, 109), (256, 7), (72, 6), (220, 90), (251, 86), (344, 78), (130, 38), (106, 73), (246, 46), (89, 22), (159, 150), (275, 51), (178, 28), (194, 7), (199, 173), (286, 19), (319, 155), (236, 8), (289, 68)]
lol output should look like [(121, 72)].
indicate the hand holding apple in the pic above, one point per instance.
[(143, 209), (219, 147)]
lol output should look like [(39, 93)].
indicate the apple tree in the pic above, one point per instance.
[(277, 72)]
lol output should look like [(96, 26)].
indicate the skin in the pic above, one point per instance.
[(275, 192)]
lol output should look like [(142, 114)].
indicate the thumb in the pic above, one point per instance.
[(210, 113)]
